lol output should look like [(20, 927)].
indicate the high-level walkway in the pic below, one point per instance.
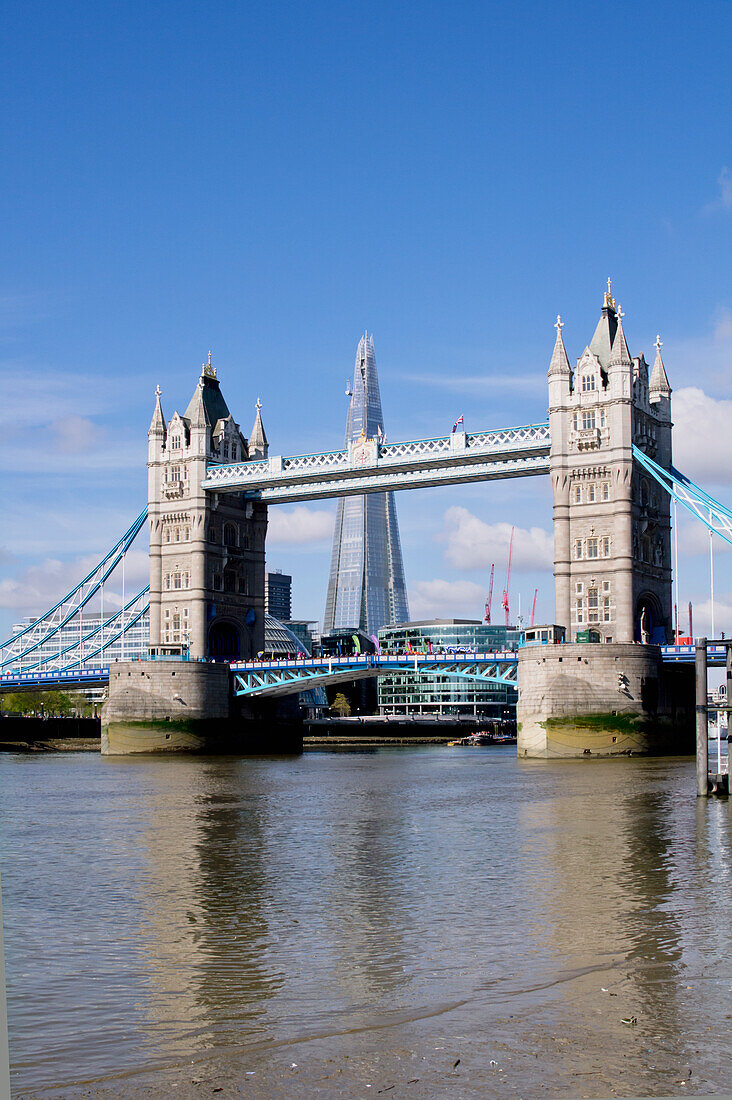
[(367, 466)]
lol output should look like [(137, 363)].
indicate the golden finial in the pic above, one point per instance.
[(207, 370), (609, 300)]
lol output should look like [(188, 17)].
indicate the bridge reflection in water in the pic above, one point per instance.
[(368, 917)]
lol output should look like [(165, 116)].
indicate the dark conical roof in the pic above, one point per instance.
[(601, 343), (207, 403)]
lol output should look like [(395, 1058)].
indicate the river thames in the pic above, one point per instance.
[(413, 921)]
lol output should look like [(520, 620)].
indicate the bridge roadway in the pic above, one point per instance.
[(367, 466), (268, 678)]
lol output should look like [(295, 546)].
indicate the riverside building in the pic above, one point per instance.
[(404, 693)]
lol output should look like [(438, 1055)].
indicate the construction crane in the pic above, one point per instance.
[(507, 589), (489, 601), (533, 606)]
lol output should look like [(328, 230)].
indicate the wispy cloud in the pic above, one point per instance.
[(723, 200), (704, 360)]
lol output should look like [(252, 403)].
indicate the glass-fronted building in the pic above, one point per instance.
[(366, 587), (403, 693), (83, 638)]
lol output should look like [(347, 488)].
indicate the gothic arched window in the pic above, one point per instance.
[(229, 534)]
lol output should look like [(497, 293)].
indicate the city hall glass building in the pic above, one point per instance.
[(366, 587), (403, 693)]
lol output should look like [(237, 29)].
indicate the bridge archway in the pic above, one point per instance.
[(224, 641), (648, 605)]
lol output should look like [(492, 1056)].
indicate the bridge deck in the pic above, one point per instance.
[(364, 665)]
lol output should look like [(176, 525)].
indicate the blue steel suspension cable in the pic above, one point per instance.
[(115, 554)]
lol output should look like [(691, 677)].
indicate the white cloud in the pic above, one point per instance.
[(703, 617), (39, 587), (702, 427), (474, 544), (438, 599), (299, 525)]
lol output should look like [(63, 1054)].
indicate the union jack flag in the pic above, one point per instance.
[(458, 421)]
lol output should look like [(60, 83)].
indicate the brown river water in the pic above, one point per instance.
[(419, 922)]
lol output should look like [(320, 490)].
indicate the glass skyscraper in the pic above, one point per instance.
[(366, 587)]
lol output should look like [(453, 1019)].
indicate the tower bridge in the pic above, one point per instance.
[(607, 448)]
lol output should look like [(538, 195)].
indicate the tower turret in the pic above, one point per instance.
[(258, 445), (659, 390), (157, 430)]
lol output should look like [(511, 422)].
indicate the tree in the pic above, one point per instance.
[(35, 702), (341, 705)]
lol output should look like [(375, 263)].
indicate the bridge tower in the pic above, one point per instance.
[(612, 529), (206, 550)]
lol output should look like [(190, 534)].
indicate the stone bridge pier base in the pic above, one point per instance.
[(187, 706), (602, 699)]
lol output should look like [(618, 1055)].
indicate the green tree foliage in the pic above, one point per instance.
[(341, 705), (37, 702)]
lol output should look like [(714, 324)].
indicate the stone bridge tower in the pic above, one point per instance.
[(206, 549), (612, 530)]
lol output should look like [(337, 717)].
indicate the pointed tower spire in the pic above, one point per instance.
[(619, 354), (258, 445), (196, 412), (157, 424), (659, 386), (603, 339), (559, 363)]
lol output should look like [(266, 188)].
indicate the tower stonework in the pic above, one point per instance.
[(206, 550), (612, 563), (612, 529)]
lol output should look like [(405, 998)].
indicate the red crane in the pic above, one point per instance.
[(533, 606), (507, 589), (489, 601)]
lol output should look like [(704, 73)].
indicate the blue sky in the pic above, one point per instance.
[(270, 180)]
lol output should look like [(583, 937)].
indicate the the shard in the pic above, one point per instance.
[(366, 587)]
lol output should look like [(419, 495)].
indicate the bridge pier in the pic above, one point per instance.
[(187, 706), (602, 699)]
